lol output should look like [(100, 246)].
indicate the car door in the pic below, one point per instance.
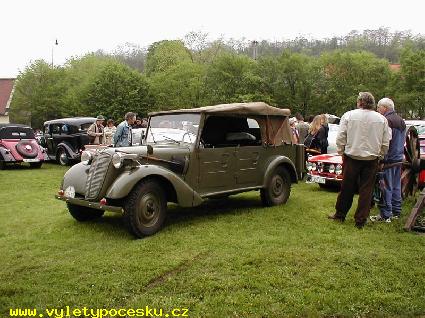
[(48, 138), (247, 172), (215, 169)]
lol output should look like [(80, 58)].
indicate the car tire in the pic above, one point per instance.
[(36, 165), (146, 208), (62, 157), (82, 214), (278, 188)]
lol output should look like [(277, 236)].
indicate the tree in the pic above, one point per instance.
[(345, 74), (39, 94), (117, 89), (412, 75), (232, 78), (180, 86), (165, 54)]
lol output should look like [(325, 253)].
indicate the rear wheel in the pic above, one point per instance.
[(278, 188), (146, 208), (81, 213), (62, 157)]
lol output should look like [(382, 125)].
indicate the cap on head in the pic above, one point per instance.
[(100, 117)]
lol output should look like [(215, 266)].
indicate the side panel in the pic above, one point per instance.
[(122, 186), (247, 169), (216, 169)]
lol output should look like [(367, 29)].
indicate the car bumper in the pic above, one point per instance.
[(88, 204), (320, 179)]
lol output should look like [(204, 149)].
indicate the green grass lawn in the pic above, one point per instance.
[(227, 258)]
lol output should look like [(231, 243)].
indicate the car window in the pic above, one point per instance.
[(229, 131), (46, 129), (16, 133), (173, 128), (65, 129), (56, 128), (84, 127)]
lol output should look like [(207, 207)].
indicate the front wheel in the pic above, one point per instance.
[(278, 188), (81, 213), (146, 207), (62, 157)]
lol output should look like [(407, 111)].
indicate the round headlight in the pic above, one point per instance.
[(313, 166), (86, 157), (117, 160), (331, 168), (308, 166), (338, 169)]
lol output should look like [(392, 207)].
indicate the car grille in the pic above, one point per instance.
[(97, 174)]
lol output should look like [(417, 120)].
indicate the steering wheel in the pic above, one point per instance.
[(188, 134)]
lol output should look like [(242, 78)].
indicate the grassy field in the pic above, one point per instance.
[(229, 258)]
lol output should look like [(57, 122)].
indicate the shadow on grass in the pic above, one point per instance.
[(113, 223), (233, 205)]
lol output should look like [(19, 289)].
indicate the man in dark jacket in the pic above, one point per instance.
[(391, 205)]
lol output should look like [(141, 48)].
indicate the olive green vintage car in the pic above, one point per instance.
[(187, 156)]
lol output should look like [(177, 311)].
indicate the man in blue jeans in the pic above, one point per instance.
[(391, 205)]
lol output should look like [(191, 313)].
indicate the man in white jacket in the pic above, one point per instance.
[(362, 140)]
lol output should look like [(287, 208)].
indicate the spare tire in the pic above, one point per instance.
[(27, 149)]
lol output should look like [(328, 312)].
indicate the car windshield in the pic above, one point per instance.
[(173, 128), (420, 129)]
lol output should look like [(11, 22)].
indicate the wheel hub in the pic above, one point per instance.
[(149, 209), (277, 186)]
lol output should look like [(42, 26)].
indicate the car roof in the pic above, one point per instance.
[(71, 120), (14, 125), (415, 122), (255, 108)]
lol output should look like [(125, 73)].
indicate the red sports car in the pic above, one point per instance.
[(18, 144), (326, 170)]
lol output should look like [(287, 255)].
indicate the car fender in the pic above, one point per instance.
[(6, 155), (186, 196), (278, 161), (69, 151)]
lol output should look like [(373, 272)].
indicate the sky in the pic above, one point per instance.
[(29, 28)]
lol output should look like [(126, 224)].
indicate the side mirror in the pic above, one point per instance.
[(150, 150)]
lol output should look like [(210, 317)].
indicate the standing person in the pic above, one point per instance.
[(123, 135), (325, 124), (109, 130), (317, 137), (391, 207), (294, 136), (138, 123), (96, 131), (302, 127), (362, 139)]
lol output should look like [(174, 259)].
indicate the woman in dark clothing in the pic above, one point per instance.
[(317, 138)]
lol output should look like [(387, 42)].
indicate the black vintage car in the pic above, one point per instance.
[(64, 139)]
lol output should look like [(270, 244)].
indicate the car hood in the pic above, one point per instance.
[(169, 152), (330, 158)]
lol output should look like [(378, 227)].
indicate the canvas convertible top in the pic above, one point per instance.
[(256, 108), (273, 121)]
